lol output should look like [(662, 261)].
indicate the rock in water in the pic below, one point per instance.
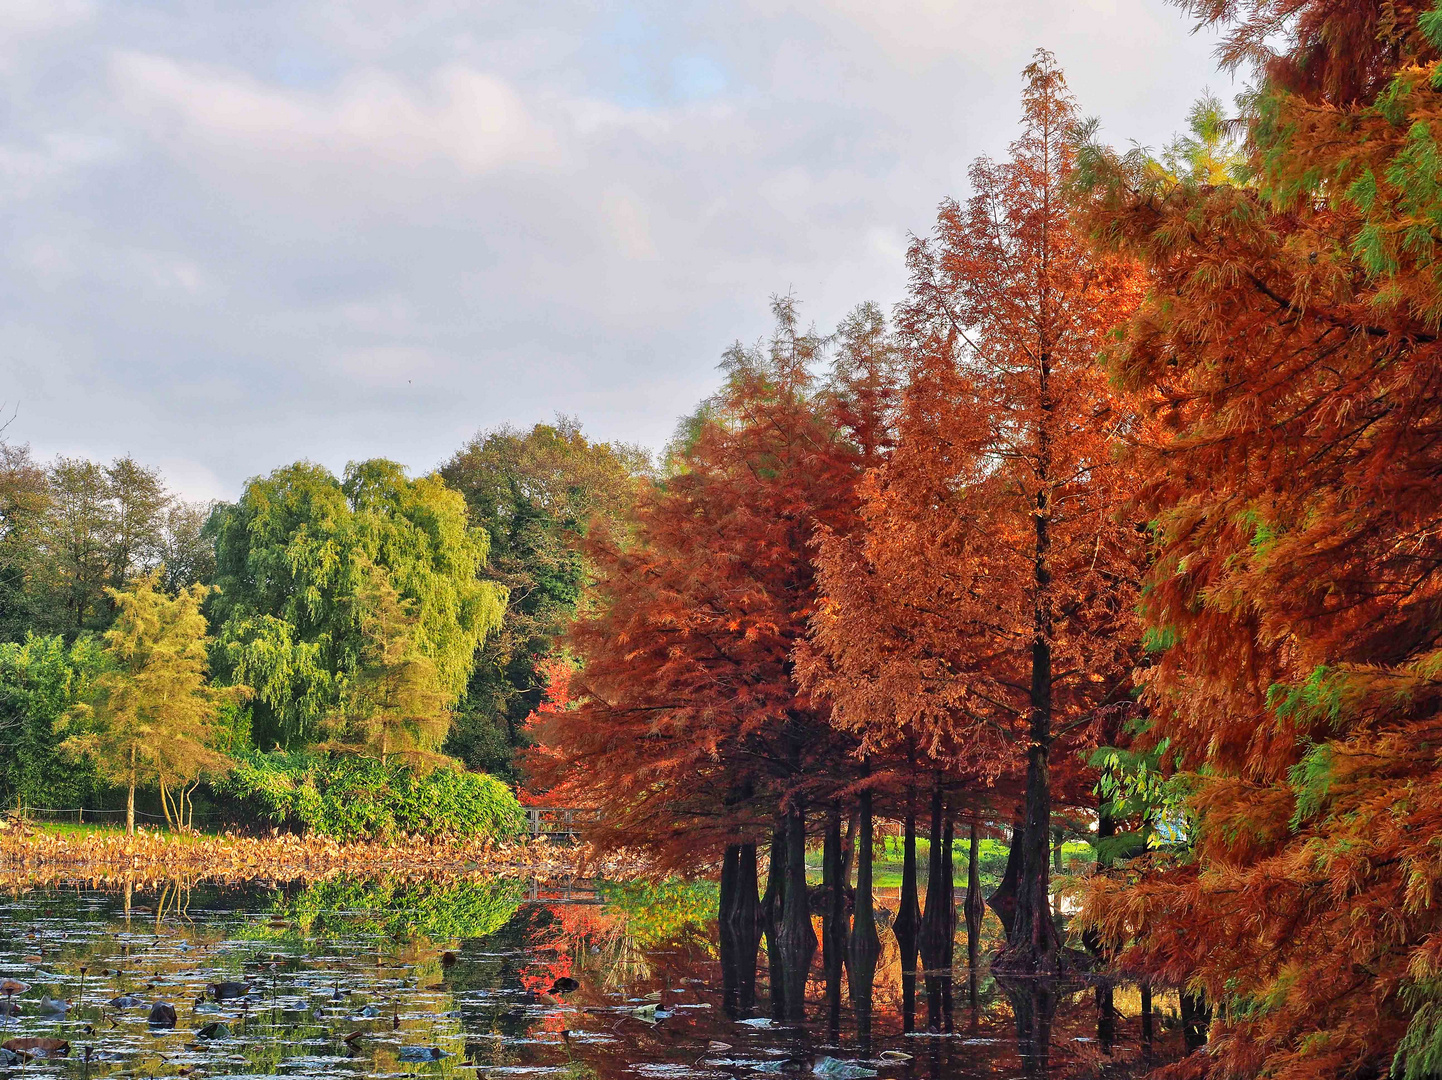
[(162, 1014), (420, 1053), (564, 985), (225, 990)]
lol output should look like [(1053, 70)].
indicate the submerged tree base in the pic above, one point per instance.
[(1022, 962)]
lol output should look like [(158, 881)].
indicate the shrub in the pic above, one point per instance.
[(352, 798)]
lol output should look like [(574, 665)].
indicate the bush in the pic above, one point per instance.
[(351, 798)]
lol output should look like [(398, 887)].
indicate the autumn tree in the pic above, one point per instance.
[(686, 723), (984, 608), (1289, 368), (152, 716)]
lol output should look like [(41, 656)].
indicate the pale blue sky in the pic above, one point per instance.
[(233, 235)]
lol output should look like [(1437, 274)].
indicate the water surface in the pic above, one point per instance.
[(382, 978)]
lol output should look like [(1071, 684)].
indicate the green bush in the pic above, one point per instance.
[(352, 798)]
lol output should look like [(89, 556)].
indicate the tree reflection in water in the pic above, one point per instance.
[(653, 981)]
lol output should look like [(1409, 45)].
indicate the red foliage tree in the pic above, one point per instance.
[(986, 605), (1289, 365), (688, 727)]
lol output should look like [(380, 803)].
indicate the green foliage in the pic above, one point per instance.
[(294, 557), (534, 493), (351, 798), (665, 912), (152, 714), (41, 679), (398, 910), (1139, 787), (1419, 1054)]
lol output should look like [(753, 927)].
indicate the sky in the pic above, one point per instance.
[(237, 235)]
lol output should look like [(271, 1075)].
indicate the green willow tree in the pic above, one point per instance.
[(295, 557), (152, 717)]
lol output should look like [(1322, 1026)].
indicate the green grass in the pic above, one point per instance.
[(991, 855)]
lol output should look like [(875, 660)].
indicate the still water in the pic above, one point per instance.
[(502, 980)]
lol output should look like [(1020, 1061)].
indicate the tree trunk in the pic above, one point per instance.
[(908, 918), (1003, 900), (933, 920), (834, 931), (772, 908), (864, 938), (848, 851), (938, 922), (972, 909), (1196, 1018), (725, 928), (1033, 944), (738, 926), (797, 938)]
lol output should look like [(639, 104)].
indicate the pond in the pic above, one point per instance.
[(498, 979)]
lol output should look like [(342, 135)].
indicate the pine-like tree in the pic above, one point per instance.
[(985, 608)]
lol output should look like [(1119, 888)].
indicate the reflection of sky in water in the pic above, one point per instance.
[(463, 969)]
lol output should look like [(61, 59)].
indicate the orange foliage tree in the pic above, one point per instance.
[(1288, 362), (687, 726), (985, 609)]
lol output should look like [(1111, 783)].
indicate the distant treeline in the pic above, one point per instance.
[(409, 620)]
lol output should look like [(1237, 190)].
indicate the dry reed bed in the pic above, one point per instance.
[(34, 856)]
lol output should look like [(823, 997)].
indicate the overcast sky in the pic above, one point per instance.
[(238, 234)]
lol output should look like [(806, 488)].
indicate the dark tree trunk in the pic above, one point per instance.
[(1196, 1018), (865, 942), (948, 946), (1003, 900), (972, 910), (934, 920), (738, 929), (797, 938), (1033, 943), (725, 927), (834, 930), (864, 937), (908, 918), (938, 922), (772, 910), (1146, 992)]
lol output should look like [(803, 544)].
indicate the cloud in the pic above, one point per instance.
[(465, 118), (238, 235)]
